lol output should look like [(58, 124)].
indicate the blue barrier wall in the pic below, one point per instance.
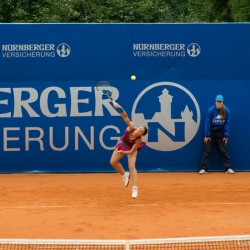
[(53, 119)]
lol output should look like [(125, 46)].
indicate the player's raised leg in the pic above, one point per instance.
[(115, 163)]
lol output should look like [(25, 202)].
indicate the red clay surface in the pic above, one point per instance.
[(98, 206)]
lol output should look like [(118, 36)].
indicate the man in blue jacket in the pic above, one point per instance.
[(217, 128)]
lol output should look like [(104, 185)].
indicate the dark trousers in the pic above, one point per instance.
[(216, 140)]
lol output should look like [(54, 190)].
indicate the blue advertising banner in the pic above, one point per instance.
[(52, 119)]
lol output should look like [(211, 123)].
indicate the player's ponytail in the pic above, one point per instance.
[(223, 112)]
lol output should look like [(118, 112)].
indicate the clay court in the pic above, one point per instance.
[(98, 206)]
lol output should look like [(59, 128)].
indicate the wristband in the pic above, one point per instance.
[(120, 110)]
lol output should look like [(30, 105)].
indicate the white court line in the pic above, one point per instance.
[(236, 203), (130, 205), (214, 203), (142, 205), (44, 206), (192, 204)]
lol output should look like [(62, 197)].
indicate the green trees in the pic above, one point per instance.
[(114, 11), (240, 10), (209, 11)]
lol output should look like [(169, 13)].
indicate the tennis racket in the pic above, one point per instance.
[(104, 88)]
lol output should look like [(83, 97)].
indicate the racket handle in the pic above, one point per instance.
[(115, 104), (112, 100)]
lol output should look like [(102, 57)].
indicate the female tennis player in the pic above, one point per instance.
[(131, 142)]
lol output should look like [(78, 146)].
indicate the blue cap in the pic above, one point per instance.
[(219, 98)]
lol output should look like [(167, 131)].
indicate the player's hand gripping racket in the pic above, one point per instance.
[(105, 88)]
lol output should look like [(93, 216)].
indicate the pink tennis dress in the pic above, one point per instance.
[(126, 144)]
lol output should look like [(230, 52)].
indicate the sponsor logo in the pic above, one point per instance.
[(244, 243), (63, 50), (35, 50), (165, 50), (193, 50), (218, 119), (176, 120)]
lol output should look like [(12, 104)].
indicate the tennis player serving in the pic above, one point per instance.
[(130, 143)]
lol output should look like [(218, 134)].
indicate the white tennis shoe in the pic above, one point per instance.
[(134, 192), (203, 171), (230, 171), (126, 178)]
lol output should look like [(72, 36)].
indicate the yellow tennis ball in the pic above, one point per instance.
[(133, 77)]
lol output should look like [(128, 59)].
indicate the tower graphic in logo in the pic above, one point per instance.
[(63, 50), (176, 120), (193, 49)]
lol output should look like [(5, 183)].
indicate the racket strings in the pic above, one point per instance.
[(104, 88), (106, 92)]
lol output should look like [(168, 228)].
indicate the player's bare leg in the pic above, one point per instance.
[(115, 162), (133, 173)]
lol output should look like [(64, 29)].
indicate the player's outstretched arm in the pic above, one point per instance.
[(124, 115)]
